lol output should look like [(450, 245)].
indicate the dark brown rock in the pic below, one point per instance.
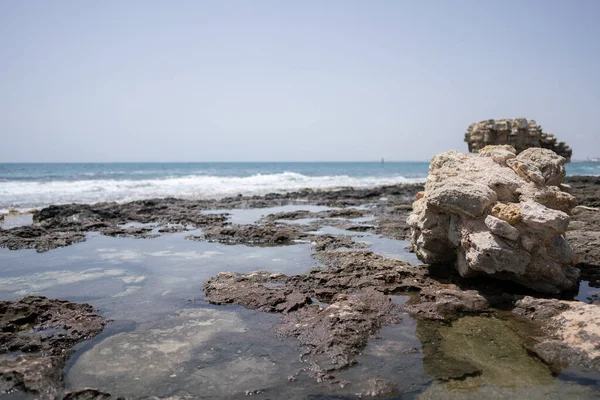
[(269, 234), (447, 304), (36, 338), (336, 333)]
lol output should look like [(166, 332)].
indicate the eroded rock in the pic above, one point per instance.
[(518, 133), (498, 215), (572, 328), (352, 285), (336, 333), (36, 338), (268, 234)]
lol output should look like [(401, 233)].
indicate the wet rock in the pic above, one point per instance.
[(352, 283), (572, 329), (344, 272), (391, 219), (268, 234), (62, 225), (256, 290), (328, 242), (340, 197), (35, 237), (36, 337), (380, 388), (336, 333), (173, 229), (136, 232), (492, 214), (586, 189), (478, 350), (289, 215), (89, 394), (304, 214), (361, 269), (584, 235), (447, 304), (518, 133), (32, 374)]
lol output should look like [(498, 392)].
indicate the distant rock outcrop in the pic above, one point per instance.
[(498, 214), (518, 133)]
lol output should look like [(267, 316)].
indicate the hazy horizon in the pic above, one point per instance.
[(267, 81)]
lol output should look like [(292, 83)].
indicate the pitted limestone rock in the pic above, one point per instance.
[(500, 214), (518, 133)]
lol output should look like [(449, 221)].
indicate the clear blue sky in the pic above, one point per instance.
[(289, 80)]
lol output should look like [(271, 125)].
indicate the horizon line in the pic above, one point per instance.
[(201, 162)]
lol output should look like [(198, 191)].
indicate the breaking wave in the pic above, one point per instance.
[(35, 194)]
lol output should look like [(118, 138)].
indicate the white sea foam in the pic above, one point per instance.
[(27, 194)]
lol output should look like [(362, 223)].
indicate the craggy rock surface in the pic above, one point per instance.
[(330, 242), (478, 350), (583, 233), (352, 283), (447, 304), (304, 214), (498, 214), (58, 226), (518, 133), (36, 337), (38, 238), (269, 234), (335, 334), (63, 225), (572, 328), (89, 394)]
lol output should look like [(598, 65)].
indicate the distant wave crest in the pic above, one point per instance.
[(35, 194)]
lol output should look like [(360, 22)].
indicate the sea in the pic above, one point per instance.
[(26, 186)]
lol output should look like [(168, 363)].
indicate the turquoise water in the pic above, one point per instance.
[(26, 186), (137, 171)]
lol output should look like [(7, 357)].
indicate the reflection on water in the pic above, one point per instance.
[(588, 293), (13, 221), (216, 352)]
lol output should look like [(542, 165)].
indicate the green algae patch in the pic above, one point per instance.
[(482, 350)]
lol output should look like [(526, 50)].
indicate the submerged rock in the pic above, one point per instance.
[(352, 286), (447, 304), (474, 351), (518, 133), (90, 394), (498, 214), (572, 328), (335, 334)]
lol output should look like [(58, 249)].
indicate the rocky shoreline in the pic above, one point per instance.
[(332, 310)]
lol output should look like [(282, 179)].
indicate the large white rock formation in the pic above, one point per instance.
[(500, 214)]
